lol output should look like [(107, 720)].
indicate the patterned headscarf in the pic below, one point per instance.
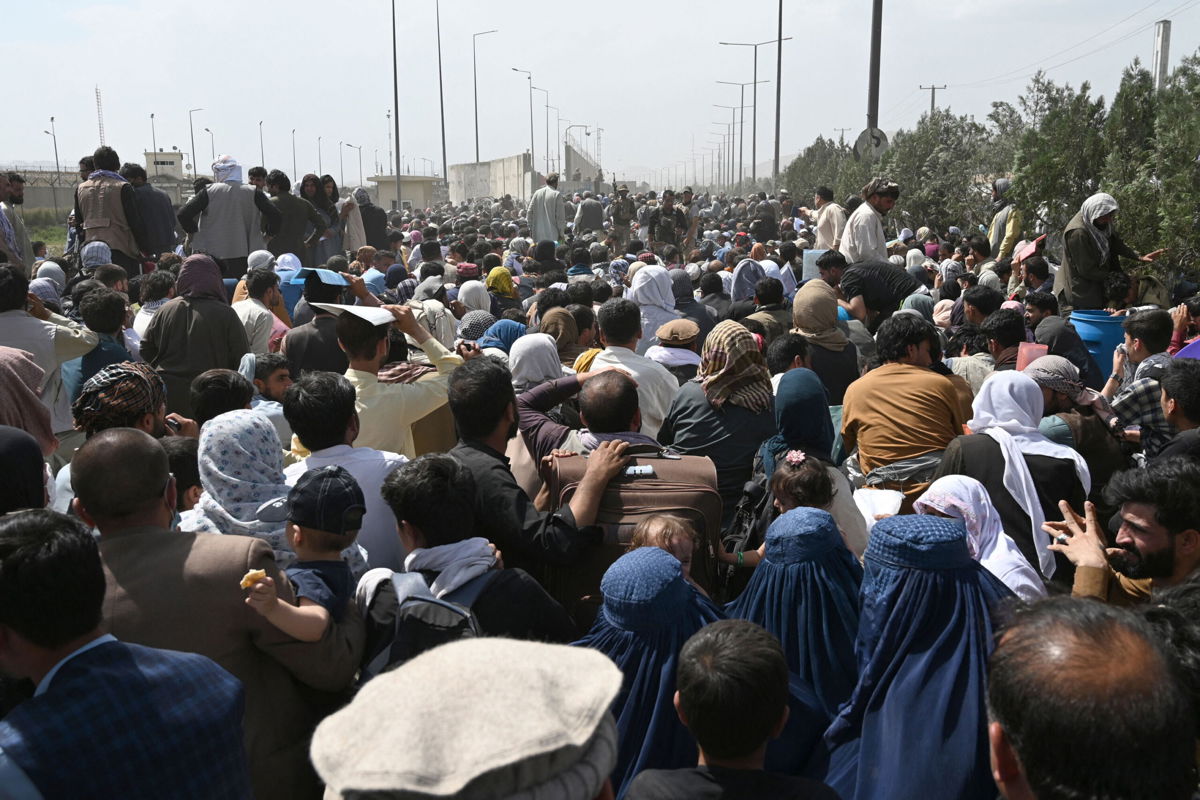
[(474, 325), (199, 276), (618, 268), (117, 395), (94, 254), (500, 283), (1096, 206), (1060, 375), (732, 369)]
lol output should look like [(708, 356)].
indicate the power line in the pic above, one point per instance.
[(933, 90)]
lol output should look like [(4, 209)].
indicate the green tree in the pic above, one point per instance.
[(1128, 173), (1177, 148), (818, 165)]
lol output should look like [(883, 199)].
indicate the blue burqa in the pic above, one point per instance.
[(916, 725), (805, 592)]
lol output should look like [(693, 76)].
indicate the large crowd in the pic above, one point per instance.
[(604, 495)]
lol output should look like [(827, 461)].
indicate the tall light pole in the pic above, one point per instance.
[(212, 143), (873, 76), (599, 134), (153, 149), (567, 132), (546, 140), (192, 132), (262, 153), (389, 116), (778, 90), (742, 132), (532, 168), (754, 124), (396, 102), (428, 161), (359, 149), (295, 177), (341, 166), (557, 127), (320, 166), (53, 134), (437, 6), (475, 76), (732, 139)]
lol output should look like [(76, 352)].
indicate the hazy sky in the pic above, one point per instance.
[(644, 70)]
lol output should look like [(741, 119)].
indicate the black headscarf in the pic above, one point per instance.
[(24, 484)]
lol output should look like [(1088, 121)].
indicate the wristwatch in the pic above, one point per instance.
[(1116, 377)]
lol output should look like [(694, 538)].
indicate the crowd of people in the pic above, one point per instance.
[(294, 501)]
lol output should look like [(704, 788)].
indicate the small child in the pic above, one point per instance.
[(324, 512), (670, 533)]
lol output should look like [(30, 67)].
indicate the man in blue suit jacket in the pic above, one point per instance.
[(108, 719)]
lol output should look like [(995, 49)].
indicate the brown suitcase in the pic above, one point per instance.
[(684, 486)]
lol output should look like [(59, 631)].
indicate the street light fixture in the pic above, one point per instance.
[(554, 162), (53, 134), (475, 77), (262, 153), (295, 177), (742, 132), (428, 161), (341, 168), (546, 141), (153, 145), (754, 116), (732, 140), (212, 143), (532, 169), (192, 132), (320, 166), (359, 149)]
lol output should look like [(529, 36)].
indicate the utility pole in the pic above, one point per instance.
[(933, 90), (842, 134), (153, 147), (396, 100), (754, 129), (778, 88), (873, 75), (475, 78), (441, 96)]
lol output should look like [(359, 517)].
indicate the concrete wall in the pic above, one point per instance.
[(494, 178)]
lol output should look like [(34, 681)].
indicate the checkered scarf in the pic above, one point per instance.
[(117, 395), (732, 369)]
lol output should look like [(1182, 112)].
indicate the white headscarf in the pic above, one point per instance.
[(474, 295), (1008, 408), (226, 168), (967, 499), (746, 276), (1093, 208), (533, 359), (651, 290), (914, 258)]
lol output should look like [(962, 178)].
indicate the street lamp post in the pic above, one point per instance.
[(153, 147), (732, 138), (754, 124), (396, 101), (742, 132), (360, 172), (546, 141), (341, 168), (568, 131), (428, 161), (53, 134), (320, 166), (441, 96), (557, 127), (192, 132), (532, 169), (212, 143), (262, 153), (475, 77), (295, 177)]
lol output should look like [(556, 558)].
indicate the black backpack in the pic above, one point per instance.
[(406, 624), (755, 513)]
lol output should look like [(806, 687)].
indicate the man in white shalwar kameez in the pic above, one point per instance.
[(864, 239), (547, 215)]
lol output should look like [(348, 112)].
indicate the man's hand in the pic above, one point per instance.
[(468, 351), (583, 377), (1119, 359), (458, 309), (1080, 540), (1146, 259), (406, 321), (1181, 317), (182, 426), (262, 597), (358, 287), (607, 461), (36, 307)]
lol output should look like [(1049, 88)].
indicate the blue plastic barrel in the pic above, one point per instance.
[(1101, 333)]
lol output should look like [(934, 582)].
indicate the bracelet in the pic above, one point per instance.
[(741, 558), (1116, 377)]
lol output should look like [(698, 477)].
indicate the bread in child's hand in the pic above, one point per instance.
[(252, 577)]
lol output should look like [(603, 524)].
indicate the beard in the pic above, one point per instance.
[(1133, 563), (17, 200)]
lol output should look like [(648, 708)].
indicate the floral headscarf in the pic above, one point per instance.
[(732, 369)]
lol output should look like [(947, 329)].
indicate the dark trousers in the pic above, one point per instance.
[(232, 267)]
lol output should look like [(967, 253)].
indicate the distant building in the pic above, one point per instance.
[(164, 163)]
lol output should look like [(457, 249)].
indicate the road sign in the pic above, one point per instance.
[(871, 144)]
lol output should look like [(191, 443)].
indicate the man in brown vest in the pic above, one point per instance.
[(106, 209)]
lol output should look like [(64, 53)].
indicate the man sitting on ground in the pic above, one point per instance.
[(1181, 406), (1005, 330), (620, 324)]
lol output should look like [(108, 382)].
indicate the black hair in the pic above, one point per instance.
[(753, 325), (105, 157), (608, 402), (110, 274), (317, 291), (968, 336), (768, 291), (279, 178), (1003, 268), (261, 280), (620, 321), (825, 193), (831, 259), (733, 687), (431, 269), (1042, 301), (1181, 383), (157, 285), (601, 291), (1117, 286), (580, 255), (489, 263), (336, 193), (257, 172), (551, 298), (1006, 327), (1037, 266), (268, 364), (1152, 326), (805, 484), (87, 163), (51, 581), (119, 472), (431, 250), (1171, 485), (480, 392), (183, 459), (103, 311), (1193, 306), (984, 298), (711, 283), (130, 172), (215, 391), (1074, 670), (970, 278), (551, 277), (898, 332), (358, 337), (435, 494), (1173, 613), (784, 350), (584, 316), (578, 293), (787, 252), (318, 407), (980, 245)]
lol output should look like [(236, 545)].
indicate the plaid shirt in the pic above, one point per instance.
[(1139, 403), (121, 720)]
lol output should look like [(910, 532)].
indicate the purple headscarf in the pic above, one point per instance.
[(200, 277)]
